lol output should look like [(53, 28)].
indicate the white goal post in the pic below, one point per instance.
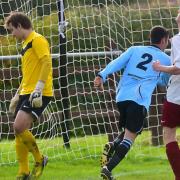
[(84, 37)]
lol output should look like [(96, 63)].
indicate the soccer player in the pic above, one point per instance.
[(34, 93), (133, 94), (171, 109)]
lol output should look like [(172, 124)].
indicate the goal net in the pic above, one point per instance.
[(84, 37)]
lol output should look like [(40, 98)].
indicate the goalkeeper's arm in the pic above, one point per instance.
[(14, 101), (36, 96)]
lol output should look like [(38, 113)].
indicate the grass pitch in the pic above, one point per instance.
[(81, 162)]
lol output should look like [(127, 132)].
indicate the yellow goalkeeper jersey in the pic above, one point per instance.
[(34, 48)]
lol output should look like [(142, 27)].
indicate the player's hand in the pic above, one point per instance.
[(35, 98), (156, 65), (13, 103), (98, 83)]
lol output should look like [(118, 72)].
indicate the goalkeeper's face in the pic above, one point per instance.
[(16, 32)]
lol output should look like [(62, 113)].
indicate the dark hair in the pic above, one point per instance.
[(18, 18), (157, 33)]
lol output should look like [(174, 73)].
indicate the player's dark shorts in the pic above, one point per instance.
[(132, 116), (171, 114), (24, 105)]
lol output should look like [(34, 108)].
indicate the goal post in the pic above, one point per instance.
[(84, 37), (63, 71)]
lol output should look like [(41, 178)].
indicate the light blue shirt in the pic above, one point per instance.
[(139, 79)]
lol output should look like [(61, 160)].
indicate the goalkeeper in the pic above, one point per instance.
[(33, 95), (134, 93)]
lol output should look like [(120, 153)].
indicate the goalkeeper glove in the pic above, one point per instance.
[(14, 102), (35, 98)]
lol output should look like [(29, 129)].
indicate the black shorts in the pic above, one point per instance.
[(132, 116), (24, 105)]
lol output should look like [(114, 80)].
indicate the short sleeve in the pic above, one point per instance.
[(41, 47)]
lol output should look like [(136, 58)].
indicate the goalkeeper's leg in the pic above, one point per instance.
[(40, 160), (23, 121), (22, 156), (24, 118)]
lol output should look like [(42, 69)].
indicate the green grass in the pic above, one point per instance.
[(81, 162)]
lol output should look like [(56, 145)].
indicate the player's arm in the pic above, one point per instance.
[(41, 48), (15, 100), (173, 69), (45, 68), (164, 79), (117, 64), (36, 96)]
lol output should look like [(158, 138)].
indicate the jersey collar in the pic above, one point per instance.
[(155, 46), (30, 37)]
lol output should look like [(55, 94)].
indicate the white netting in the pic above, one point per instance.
[(96, 32)]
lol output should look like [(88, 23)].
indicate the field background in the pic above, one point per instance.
[(143, 162), (81, 162)]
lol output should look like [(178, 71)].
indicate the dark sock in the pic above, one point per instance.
[(118, 140), (173, 154), (120, 152)]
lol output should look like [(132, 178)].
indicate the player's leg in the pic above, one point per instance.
[(169, 135), (172, 150), (21, 149), (24, 138), (22, 124), (40, 160), (121, 150), (24, 118), (22, 157), (23, 177), (170, 119), (110, 147), (29, 141), (135, 115)]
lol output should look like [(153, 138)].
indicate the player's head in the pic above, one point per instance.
[(159, 36), (18, 24)]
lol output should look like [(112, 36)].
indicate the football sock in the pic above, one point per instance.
[(29, 140), (22, 156), (120, 152), (118, 140), (173, 154)]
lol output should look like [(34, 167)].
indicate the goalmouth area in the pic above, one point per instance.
[(84, 36)]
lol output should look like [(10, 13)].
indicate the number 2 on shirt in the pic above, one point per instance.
[(147, 59)]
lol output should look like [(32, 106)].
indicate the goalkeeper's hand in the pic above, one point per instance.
[(13, 103), (35, 98)]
